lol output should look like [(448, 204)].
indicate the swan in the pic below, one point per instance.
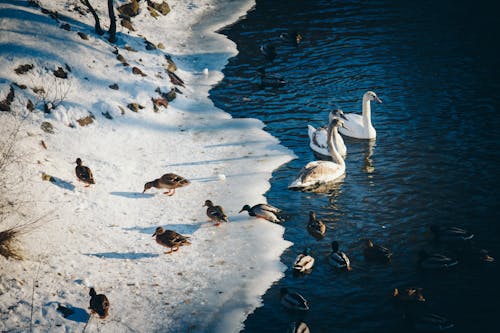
[(318, 137), (317, 173), (360, 126)]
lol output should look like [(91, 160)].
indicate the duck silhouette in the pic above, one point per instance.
[(83, 173), (99, 304)]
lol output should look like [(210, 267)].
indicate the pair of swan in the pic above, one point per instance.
[(331, 144)]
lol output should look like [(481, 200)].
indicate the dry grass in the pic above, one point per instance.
[(8, 248)]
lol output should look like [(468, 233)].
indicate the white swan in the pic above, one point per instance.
[(318, 137), (321, 172), (360, 126)]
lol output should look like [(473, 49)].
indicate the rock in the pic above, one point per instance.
[(153, 12), (85, 120), (82, 35), (20, 86), (135, 107), (30, 106), (162, 7), (60, 73), (23, 69), (107, 115), (129, 9), (171, 66), (126, 23), (160, 102), (5, 104), (160, 46), (114, 86), (47, 127), (129, 48), (38, 90), (149, 46), (65, 26), (137, 71), (122, 110), (121, 59)]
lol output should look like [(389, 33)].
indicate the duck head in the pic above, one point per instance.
[(370, 95), (158, 231), (246, 207), (78, 161), (312, 216), (148, 185), (335, 246), (208, 203)]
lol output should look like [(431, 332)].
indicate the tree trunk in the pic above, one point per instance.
[(98, 29), (112, 22)]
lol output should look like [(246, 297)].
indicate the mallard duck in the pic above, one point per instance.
[(317, 173), (360, 126), (83, 173), (215, 213), (263, 211), (315, 227), (300, 327), (430, 322), (339, 259), (377, 253), (451, 234), (485, 257), (291, 37), (435, 260), (293, 300), (408, 295), (99, 304), (304, 262), (170, 239), (170, 181), (270, 80), (269, 51), (318, 137)]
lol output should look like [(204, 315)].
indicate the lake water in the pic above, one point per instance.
[(435, 65)]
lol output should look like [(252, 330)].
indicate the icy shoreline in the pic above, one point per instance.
[(101, 236)]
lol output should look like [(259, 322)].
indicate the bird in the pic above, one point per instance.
[(170, 239), (450, 234), (99, 304), (293, 37), (429, 322), (83, 173), (300, 327), (315, 227), (318, 173), (376, 253), (339, 259), (170, 181), (215, 213), (318, 137), (360, 126), (270, 80), (408, 295), (304, 262), (263, 211), (293, 300), (435, 261), (269, 51)]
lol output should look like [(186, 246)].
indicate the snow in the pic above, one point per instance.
[(101, 236)]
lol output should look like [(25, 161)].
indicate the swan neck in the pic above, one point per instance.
[(367, 112), (333, 132)]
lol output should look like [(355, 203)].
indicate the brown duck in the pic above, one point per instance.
[(170, 181), (99, 304), (316, 227), (215, 213), (170, 239), (83, 173)]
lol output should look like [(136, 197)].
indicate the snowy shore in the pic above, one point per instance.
[(101, 236)]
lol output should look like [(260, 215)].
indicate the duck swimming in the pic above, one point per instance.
[(339, 259), (300, 327), (170, 181), (263, 211), (318, 173), (291, 37), (269, 51), (360, 126), (376, 253), (435, 261), (451, 234), (408, 295), (170, 239), (270, 80), (304, 262), (293, 300), (83, 173), (99, 304), (318, 137), (316, 227), (215, 213)]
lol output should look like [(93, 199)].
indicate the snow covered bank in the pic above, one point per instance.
[(101, 236)]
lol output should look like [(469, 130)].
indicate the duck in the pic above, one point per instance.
[(269, 51), (300, 327), (304, 262), (318, 137), (170, 239), (429, 322), (293, 37), (408, 295), (451, 234), (339, 259), (293, 300), (270, 80), (360, 126), (99, 304), (170, 181), (316, 227), (317, 173), (83, 173), (435, 261), (376, 253), (485, 257), (215, 213), (263, 211)]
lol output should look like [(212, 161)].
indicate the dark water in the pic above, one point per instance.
[(435, 65)]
